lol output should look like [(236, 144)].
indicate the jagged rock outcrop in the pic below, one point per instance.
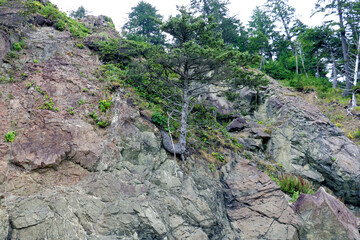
[(325, 217), (306, 143)]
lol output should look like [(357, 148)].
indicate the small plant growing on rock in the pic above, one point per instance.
[(291, 184), (218, 156), (10, 136), (105, 104), (18, 46), (81, 46), (36, 61), (212, 167)]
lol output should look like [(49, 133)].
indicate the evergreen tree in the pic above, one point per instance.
[(261, 34), (338, 7), (196, 58), (231, 28), (143, 24), (281, 11), (79, 13)]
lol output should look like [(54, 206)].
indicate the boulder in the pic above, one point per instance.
[(236, 125), (325, 217), (256, 207)]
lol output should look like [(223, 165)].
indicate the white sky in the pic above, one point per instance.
[(118, 9)]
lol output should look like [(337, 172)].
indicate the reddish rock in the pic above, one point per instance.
[(255, 205), (325, 217)]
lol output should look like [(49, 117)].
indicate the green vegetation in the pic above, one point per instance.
[(104, 104), (63, 22), (143, 24), (218, 156), (10, 136), (79, 13), (18, 46), (48, 104), (98, 122), (294, 185), (12, 55)]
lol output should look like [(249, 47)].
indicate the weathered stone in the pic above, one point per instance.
[(325, 217), (4, 45), (256, 207), (236, 125), (306, 143)]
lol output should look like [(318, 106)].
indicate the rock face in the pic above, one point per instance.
[(64, 177), (325, 217), (256, 206), (306, 143)]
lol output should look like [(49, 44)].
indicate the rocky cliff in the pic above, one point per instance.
[(67, 177)]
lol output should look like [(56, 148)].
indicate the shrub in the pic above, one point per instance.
[(218, 156), (293, 185), (63, 22), (159, 119), (60, 25), (10, 136), (18, 46), (356, 134), (105, 105)]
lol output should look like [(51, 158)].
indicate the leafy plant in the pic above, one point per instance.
[(18, 46), (159, 119), (10, 136), (218, 156), (105, 104), (212, 167), (48, 104)]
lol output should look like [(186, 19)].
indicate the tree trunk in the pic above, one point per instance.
[(356, 71), (184, 115), (296, 59), (291, 43), (353, 100), (334, 71), (303, 63), (344, 50)]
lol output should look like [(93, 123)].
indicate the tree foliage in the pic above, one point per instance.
[(196, 62), (143, 24), (79, 13)]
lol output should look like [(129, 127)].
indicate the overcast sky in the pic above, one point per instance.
[(118, 9)]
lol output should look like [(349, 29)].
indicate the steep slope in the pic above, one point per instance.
[(67, 175)]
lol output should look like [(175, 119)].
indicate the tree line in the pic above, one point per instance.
[(287, 53)]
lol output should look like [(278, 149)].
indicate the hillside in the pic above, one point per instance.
[(82, 154)]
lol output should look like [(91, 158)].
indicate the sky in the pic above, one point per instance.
[(118, 10)]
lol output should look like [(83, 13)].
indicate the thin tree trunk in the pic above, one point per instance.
[(353, 100), (334, 71), (184, 115), (345, 51), (296, 59), (317, 74), (291, 43), (356, 71), (303, 63)]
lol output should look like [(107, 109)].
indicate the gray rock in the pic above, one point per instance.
[(325, 217), (236, 125), (4, 45), (306, 143), (256, 207)]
